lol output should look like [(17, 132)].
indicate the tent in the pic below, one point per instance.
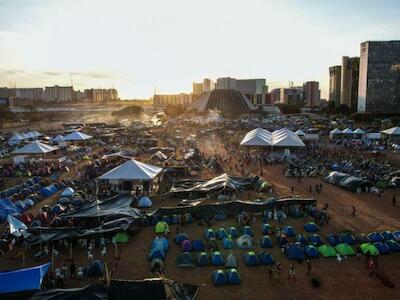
[(375, 237), (186, 246), (221, 233), (96, 268), (17, 228), (198, 245), (315, 240), (219, 278), (244, 242), (335, 132), (282, 240), (348, 238), (347, 131), (231, 261), (266, 242), (368, 248), (265, 258), (233, 276), (161, 226), (344, 249), (57, 139), (279, 138), (333, 239), (327, 251), (387, 235), (265, 229), (311, 251), (395, 233), (227, 243), (217, 259), (76, 136), (203, 260), (393, 245), (132, 170), (311, 227), (209, 233), (289, 231), (121, 238), (362, 238), (184, 260), (145, 202), (394, 131), (35, 147), (16, 139), (300, 239), (294, 252), (233, 232), (382, 248), (180, 237), (247, 230), (251, 259), (68, 192), (28, 279)]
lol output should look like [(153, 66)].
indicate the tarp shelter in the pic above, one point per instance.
[(344, 249), (35, 147), (327, 251), (58, 139), (279, 138), (233, 276), (358, 133), (347, 131), (68, 192), (29, 279), (16, 226), (394, 131), (76, 136)]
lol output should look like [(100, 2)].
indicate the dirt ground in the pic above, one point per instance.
[(348, 280)]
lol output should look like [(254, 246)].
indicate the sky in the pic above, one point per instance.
[(140, 47)]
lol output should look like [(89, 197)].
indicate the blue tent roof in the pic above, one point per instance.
[(311, 251), (7, 208), (382, 248), (266, 242), (315, 239), (375, 237), (333, 239), (348, 238), (28, 279), (294, 252), (266, 258), (311, 227), (289, 231)]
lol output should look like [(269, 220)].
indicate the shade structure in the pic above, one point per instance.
[(279, 138), (77, 136), (300, 132), (132, 170), (35, 147), (58, 138), (347, 131), (359, 131), (392, 131)]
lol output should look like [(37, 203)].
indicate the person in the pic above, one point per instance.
[(370, 266), (292, 189), (354, 211), (338, 258), (308, 267), (291, 272), (394, 200), (166, 230)]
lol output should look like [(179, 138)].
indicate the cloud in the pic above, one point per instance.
[(97, 75), (50, 73), (11, 72)]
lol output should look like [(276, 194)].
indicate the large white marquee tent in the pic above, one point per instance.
[(279, 138)]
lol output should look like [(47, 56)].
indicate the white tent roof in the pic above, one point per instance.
[(336, 130), (132, 170), (392, 131), (300, 132), (77, 136), (35, 147), (279, 138), (58, 138), (359, 131), (347, 131), (16, 137)]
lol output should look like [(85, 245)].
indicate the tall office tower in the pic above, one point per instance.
[(349, 81), (208, 85), (255, 90), (197, 89), (226, 83), (312, 94), (379, 83), (335, 80)]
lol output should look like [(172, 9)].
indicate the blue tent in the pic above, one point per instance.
[(311, 251), (251, 259), (266, 242), (145, 202), (221, 233), (198, 245), (233, 276), (247, 230), (393, 245), (348, 238), (219, 278), (245, 242), (227, 243), (311, 227), (266, 258), (217, 259), (333, 239), (203, 260), (160, 242), (382, 248), (220, 217), (209, 233), (184, 260), (233, 232), (387, 235), (289, 231), (301, 239), (396, 235), (157, 253), (375, 237), (265, 229), (180, 237), (96, 268), (7, 208), (315, 240), (28, 279), (294, 252)]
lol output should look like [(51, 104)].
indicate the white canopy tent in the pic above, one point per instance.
[(394, 131), (334, 133), (279, 138), (35, 147), (347, 131), (77, 136), (358, 131)]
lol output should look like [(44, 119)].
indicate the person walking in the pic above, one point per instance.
[(292, 274), (353, 213), (308, 267)]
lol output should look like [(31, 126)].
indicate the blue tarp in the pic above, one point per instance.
[(28, 279), (7, 208)]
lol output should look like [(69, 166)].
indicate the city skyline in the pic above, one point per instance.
[(139, 46)]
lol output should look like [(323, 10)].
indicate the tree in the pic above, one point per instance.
[(6, 115), (130, 111), (174, 110), (343, 109), (289, 109), (362, 117)]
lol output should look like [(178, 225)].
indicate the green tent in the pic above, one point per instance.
[(368, 248), (381, 184), (121, 238), (160, 227), (327, 251), (344, 249)]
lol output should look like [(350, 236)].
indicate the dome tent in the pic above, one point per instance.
[(145, 202), (266, 242), (233, 276), (219, 278), (209, 233), (244, 242), (315, 240), (203, 260), (344, 249), (368, 248), (327, 251), (348, 238), (393, 245), (217, 259), (333, 239), (180, 237), (198, 245), (233, 232), (68, 192), (382, 248), (231, 261), (289, 231), (247, 230), (265, 229), (227, 243), (251, 259), (266, 258), (186, 246), (294, 252), (221, 233), (161, 226), (311, 227), (387, 235), (311, 251), (184, 260), (375, 237)]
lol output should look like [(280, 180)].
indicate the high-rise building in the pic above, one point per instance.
[(312, 94), (293, 96), (379, 77), (29, 93), (208, 85), (101, 95), (174, 99), (255, 90), (226, 83), (59, 93), (335, 81), (197, 89), (349, 81)]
